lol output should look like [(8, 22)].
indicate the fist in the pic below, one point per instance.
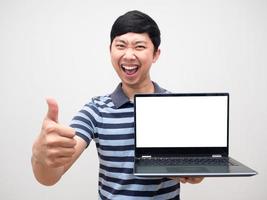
[(55, 145)]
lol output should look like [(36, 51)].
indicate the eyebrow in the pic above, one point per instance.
[(135, 42), (142, 42), (119, 40)]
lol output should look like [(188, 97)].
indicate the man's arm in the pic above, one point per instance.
[(55, 149)]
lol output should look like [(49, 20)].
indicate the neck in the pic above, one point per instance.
[(130, 91)]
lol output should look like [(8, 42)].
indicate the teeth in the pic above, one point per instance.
[(129, 67)]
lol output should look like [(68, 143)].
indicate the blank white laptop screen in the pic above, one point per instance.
[(181, 121)]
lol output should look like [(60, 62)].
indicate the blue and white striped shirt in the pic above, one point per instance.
[(109, 121)]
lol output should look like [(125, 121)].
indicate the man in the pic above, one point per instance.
[(109, 121)]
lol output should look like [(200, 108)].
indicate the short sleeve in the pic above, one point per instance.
[(84, 123)]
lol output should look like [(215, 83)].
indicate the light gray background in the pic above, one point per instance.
[(59, 48)]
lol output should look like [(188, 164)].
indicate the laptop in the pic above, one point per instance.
[(184, 135)]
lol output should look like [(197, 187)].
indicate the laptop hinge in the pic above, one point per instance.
[(216, 155), (146, 156)]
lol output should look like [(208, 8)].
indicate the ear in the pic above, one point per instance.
[(156, 55), (109, 48)]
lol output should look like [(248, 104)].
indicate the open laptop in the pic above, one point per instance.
[(184, 135)]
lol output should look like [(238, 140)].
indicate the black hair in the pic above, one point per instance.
[(136, 22)]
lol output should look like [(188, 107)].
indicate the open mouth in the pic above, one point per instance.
[(129, 69)]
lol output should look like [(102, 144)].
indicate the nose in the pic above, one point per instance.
[(129, 54)]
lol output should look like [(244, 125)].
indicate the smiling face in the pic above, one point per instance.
[(132, 55)]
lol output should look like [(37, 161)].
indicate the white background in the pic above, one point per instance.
[(181, 121), (60, 48)]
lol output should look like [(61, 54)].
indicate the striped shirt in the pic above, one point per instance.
[(109, 121)]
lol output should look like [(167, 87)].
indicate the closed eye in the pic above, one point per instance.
[(140, 47), (120, 46)]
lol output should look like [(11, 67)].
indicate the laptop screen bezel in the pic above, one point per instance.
[(174, 151)]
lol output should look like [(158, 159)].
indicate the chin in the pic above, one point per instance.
[(131, 84)]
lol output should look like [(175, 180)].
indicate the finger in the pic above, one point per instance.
[(59, 152), (179, 179), (52, 113), (67, 143), (58, 162), (59, 141), (183, 179), (66, 131), (195, 180), (58, 129)]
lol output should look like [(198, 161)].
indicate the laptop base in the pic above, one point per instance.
[(194, 171)]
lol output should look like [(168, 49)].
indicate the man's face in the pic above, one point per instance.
[(132, 55)]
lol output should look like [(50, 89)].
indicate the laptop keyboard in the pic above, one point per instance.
[(196, 161)]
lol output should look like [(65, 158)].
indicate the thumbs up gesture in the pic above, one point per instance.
[(55, 145)]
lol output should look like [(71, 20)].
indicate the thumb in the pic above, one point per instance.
[(52, 113)]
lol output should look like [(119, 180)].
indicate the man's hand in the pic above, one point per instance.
[(192, 180), (55, 145)]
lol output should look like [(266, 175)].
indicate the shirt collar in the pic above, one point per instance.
[(119, 98)]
